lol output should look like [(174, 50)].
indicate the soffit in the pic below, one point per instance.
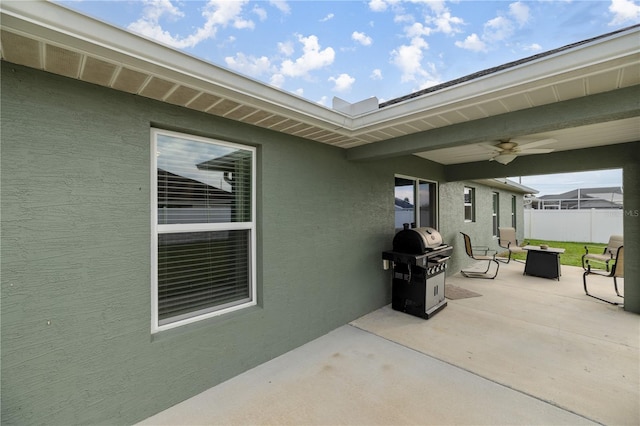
[(52, 38)]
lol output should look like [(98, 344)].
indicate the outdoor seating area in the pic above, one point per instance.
[(524, 350)]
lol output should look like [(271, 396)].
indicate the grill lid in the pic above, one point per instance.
[(416, 240)]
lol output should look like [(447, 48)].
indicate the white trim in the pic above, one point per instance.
[(157, 229), (202, 227), (203, 316), (153, 207)]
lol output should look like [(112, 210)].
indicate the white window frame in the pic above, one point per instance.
[(471, 203), (157, 229)]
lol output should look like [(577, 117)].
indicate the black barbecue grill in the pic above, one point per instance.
[(418, 262)]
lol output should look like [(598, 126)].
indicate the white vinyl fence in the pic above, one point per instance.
[(590, 226)]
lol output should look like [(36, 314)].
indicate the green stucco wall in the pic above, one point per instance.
[(76, 342)]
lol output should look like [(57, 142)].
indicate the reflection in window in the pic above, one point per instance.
[(469, 204), (495, 213), (410, 193), (204, 251), (202, 183)]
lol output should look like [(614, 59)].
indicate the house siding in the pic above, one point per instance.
[(76, 232)]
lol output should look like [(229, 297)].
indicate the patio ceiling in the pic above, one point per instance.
[(55, 39)]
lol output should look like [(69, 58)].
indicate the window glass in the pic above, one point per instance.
[(469, 204), (404, 202), (495, 214), (204, 239), (427, 191), (202, 182), (410, 193)]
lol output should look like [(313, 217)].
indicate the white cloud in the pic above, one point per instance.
[(520, 12), (378, 5), (441, 19), (155, 9), (262, 14), (472, 43), (408, 59), (533, 47), (328, 17), (281, 5), (497, 29), (277, 80), (312, 58), (217, 13), (299, 92), (447, 24), (376, 74), (417, 30), (624, 11), (438, 6), (361, 38), (249, 65), (323, 101), (342, 83), (286, 48), (402, 18)]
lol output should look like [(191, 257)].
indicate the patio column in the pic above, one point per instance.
[(631, 223)]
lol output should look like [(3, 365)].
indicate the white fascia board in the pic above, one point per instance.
[(58, 25), (507, 184), (611, 52)]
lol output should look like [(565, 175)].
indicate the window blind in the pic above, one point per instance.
[(200, 272)]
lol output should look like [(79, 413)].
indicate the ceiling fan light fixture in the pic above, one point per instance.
[(504, 158)]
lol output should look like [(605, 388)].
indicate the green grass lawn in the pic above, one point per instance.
[(573, 251)]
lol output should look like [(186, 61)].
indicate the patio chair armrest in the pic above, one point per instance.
[(594, 249), (487, 251), (504, 246)]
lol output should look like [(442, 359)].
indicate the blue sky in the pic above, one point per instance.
[(358, 49)]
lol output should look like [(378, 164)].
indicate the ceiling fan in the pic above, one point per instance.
[(506, 150)]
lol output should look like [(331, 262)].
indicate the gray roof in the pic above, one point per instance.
[(583, 193)]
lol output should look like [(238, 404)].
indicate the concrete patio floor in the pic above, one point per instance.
[(527, 351)]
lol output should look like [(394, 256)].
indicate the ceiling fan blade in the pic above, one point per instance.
[(489, 147), (541, 142), (534, 151)]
